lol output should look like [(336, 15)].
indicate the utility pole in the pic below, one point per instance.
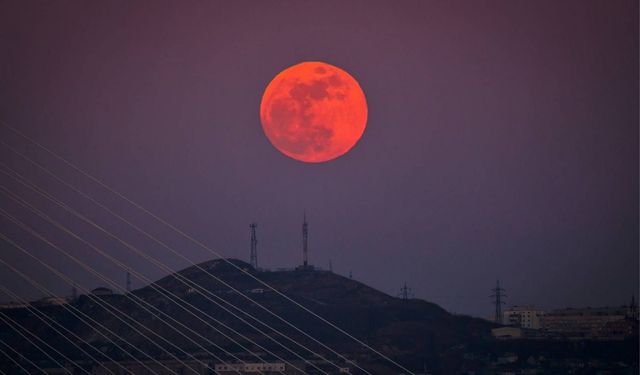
[(498, 294), (405, 292), (305, 241), (253, 258)]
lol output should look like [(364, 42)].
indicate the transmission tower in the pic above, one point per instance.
[(405, 292), (253, 258), (498, 295), (305, 242), (128, 281)]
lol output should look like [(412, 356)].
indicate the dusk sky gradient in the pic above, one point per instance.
[(502, 140)]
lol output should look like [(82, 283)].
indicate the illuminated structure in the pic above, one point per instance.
[(523, 316)]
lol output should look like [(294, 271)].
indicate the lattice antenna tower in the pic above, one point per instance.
[(305, 241), (128, 281), (253, 257), (405, 292)]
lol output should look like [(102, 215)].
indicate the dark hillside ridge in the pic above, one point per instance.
[(413, 332)]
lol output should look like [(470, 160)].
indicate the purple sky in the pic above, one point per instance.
[(502, 139)]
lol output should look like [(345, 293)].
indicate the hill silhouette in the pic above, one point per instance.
[(413, 332)]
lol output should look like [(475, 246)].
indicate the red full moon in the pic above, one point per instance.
[(313, 112)]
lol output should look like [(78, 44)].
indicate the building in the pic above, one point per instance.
[(50, 301), (249, 368), (582, 323), (620, 329), (507, 333), (523, 316), (102, 291), (12, 305), (161, 367)]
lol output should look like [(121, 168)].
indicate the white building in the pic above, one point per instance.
[(523, 316)]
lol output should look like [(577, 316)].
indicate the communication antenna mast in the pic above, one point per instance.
[(253, 258), (405, 292), (305, 241), (128, 281), (633, 308), (498, 294)]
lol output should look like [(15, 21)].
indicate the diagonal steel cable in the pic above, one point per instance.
[(49, 322), (270, 312), (103, 305), (202, 291), (136, 299), (208, 249), (13, 324), (90, 296), (175, 299), (16, 362)]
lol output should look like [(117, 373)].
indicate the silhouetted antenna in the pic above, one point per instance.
[(498, 294), (128, 281), (305, 241), (253, 258), (330, 266), (405, 292), (350, 274), (633, 308)]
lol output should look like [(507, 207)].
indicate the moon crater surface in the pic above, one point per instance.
[(313, 112)]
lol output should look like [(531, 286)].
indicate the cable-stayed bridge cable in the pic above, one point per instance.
[(16, 362), (209, 295), (13, 324), (205, 247), (90, 296), (196, 265), (49, 322), (40, 237), (154, 286)]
